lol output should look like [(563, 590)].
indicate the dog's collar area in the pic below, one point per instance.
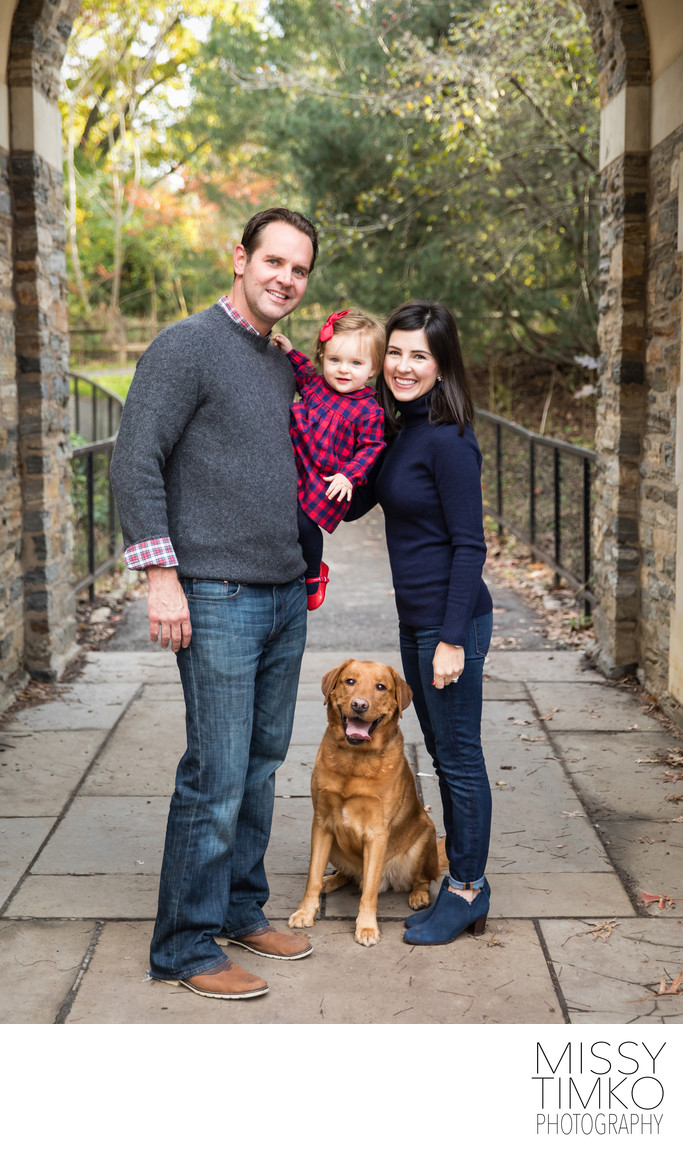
[(357, 730)]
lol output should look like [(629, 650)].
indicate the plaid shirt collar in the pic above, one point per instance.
[(237, 318)]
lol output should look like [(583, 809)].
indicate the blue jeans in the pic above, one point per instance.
[(240, 675), (451, 726)]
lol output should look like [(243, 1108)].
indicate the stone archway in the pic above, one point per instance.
[(636, 514), (37, 607)]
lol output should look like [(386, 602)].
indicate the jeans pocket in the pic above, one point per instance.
[(483, 629), (211, 590)]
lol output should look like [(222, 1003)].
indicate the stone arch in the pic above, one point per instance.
[(636, 514), (36, 600)]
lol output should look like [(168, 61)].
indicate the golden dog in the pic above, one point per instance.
[(367, 818)]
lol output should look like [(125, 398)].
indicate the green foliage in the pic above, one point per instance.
[(446, 149)]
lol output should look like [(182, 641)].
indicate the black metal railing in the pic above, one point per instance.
[(541, 490), (95, 417)]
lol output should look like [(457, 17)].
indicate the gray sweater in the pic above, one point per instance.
[(203, 454)]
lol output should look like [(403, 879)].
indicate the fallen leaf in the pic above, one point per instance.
[(603, 929), (672, 775), (494, 942), (574, 813), (501, 783), (664, 901), (521, 722), (545, 718), (674, 797), (527, 738), (678, 819), (506, 767), (675, 987)]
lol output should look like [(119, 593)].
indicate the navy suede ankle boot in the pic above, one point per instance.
[(451, 914), (422, 915)]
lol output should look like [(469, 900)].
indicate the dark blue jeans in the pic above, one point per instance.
[(451, 726), (240, 675)]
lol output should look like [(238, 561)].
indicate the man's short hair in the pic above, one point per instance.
[(250, 235)]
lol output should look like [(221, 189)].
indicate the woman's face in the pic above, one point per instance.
[(410, 369)]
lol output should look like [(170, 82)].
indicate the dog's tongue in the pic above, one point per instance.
[(357, 728)]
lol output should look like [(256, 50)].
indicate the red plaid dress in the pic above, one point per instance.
[(330, 433)]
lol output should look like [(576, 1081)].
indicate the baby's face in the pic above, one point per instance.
[(347, 363)]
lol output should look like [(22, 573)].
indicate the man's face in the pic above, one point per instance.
[(272, 283)]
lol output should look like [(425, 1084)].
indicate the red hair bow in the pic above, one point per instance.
[(327, 329)]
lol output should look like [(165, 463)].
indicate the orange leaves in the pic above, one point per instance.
[(603, 929), (663, 900), (676, 986)]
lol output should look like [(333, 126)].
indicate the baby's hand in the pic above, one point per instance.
[(282, 342), (339, 486)]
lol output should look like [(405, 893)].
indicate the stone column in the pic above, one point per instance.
[(42, 376), (621, 414)]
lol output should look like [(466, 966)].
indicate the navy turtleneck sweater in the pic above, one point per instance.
[(428, 483)]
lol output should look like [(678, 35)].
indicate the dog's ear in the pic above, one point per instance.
[(403, 692), (330, 680)]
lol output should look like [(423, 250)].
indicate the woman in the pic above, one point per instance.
[(428, 483)]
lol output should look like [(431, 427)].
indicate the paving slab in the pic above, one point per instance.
[(541, 666), (99, 896), (40, 770), (126, 666), (650, 854), (595, 760), (293, 778), (83, 706), (289, 849), (468, 981), (611, 979), (142, 755), (39, 963), (163, 692), (537, 823), (107, 836), (530, 895), (20, 839), (591, 706)]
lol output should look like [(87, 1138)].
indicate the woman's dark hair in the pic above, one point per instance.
[(451, 401)]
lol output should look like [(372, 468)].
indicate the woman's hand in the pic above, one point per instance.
[(448, 664)]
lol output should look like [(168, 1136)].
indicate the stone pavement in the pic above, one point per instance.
[(582, 825)]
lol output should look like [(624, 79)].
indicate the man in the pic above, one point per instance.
[(205, 481)]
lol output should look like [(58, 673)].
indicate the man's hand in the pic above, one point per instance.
[(339, 486), (281, 341), (448, 664), (169, 614)]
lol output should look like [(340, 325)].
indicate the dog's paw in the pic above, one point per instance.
[(367, 935), (301, 919), (419, 899)]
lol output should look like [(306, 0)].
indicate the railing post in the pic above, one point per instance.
[(499, 476), (90, 488), (586, 532), (557, 479), (532, 490)]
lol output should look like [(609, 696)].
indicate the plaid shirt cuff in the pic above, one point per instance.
[(152, 553)]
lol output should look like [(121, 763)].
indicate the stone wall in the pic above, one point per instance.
[(12, 672), (621, 410), (40, 34), (659, 495), (43, 390)]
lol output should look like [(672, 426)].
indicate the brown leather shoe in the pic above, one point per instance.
[(272, 943), (224, 981)]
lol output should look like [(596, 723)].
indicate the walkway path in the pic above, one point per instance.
[(582, 825)]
